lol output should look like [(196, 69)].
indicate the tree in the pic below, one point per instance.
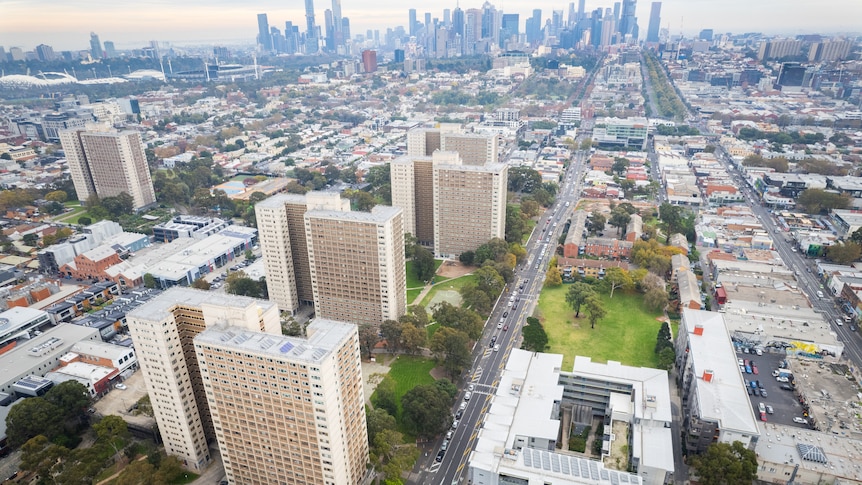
[(617, 278), (32, 417), (368, 338), (425, 410), (620, 165), (553, 277), (489, 280), (671, 216), (619, 219), (535, 338), (201, 284), (725, 464), (577, 295), (384, 396), (291, 327), (467, 258), (586, 144), (596, 222), (149, 280), (529, 207), (40, 456), (85, 221), (817, 201), (31, 239), (378, 420), (112, 431), (663, 339), (391, 332), (410, 242), (452, 347), (70, 397), (656, 299), (412, 338), (6, 156), (666, 358), (139, 472), (57, 196), (423, 264), (475, 299), (596, 308), (857, 236), (844, 252), (119, 205), (170, 469)]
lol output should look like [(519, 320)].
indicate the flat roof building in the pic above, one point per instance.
[(286, 409), (108, 164), (163, 330), (715, 404)]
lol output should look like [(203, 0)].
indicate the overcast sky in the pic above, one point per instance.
[(66, 24)]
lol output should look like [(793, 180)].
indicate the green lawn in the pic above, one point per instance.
[(431, 329), (409, 372), (412, 280), (72, 217), (412, 294), (627, 334), (452, 284)]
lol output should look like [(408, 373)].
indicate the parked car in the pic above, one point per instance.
[(761, 407), (786, 387), (782, 379), (459, 414), (748, 369), (800, 420), (754, 369), (763, 392), (769, 409), (440, 456), (468, 395), (121, 387), (497, 348), (455, 424), (470, 387), (763, 416)]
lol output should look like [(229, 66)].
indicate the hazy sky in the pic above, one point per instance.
[(66, 24)]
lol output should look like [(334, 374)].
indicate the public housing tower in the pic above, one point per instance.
[(107, 164), (349, 265), (282, 409)]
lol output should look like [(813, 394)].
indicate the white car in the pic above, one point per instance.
[(800, 420), (497, 348), (499, 325), (782, 379), (121, 387), (761, 407)]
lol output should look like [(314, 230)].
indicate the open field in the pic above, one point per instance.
[(627, 334), (454, 284), (412, 280)]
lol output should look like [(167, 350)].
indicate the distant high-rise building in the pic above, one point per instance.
[(458, 27), (427, 22), (654, 22), (830, 50), (263, 35), (163, 330), (510, 28), (337, 24), (447, 17), (411, 19), (299, 418), (534, 27), (328, 30), (312, 44), (16, 54), (572, 18), (628, 20), (706, 34), (582, 10), (291, 38), (110, 50), (2, 54), (777, 49), (95, 46), (398, 55), (108, 164), (369, 61), (45, 53)]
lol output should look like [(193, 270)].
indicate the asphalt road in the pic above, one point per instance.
[(488, 363), (805, 268)]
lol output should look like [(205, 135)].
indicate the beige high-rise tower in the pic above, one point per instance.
[(447, 205), (474, 148), (287, 410), (163, 330), (281, 229), (357, 264), (107, 164)]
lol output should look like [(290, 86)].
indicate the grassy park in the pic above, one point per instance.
[(412, 281), (409, 372), (627, 334), (453, 284)]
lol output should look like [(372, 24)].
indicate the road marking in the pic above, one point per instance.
[(434, 467)]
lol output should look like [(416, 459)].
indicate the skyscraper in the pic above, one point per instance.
[(110, 50), (296, 419), (582, 9), (263, 35), (108, 164), (458, 27), (534, 27), (654, 22), (369, 61), (510, 28), (44, 52), (337, 24), (411, 19), (311, 41), (628, 21), (163, 330), (95, 46)]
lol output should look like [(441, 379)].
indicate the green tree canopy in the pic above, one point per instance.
[(725, 464), (535, 338), (33, 417), (577, 295), (426, 410), (423, 264), (451, 347)]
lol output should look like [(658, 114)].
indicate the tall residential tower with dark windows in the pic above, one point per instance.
[(654, 22)]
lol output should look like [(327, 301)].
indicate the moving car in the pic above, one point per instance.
[(499, 325), (505, 328)]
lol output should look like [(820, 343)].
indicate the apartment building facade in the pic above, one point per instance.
[(281, 229), (163, 331), (285, 409), (108, 164), (357, 264)]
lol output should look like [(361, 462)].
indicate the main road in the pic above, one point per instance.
[(804, 268), (503, 333)]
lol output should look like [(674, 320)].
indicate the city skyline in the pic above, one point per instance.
[(67, 27)]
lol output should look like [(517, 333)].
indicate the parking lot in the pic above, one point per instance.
[(785, 404)]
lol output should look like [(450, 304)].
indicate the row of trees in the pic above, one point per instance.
[(819, 201), (781, 137), (669, 104)]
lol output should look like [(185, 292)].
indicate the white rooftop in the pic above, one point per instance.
[(160, 307), (723, 399)]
